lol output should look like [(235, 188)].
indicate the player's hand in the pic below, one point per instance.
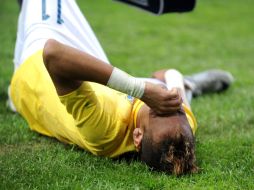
[(161, 100)]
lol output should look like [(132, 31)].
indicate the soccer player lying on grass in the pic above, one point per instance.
[(64, 87)]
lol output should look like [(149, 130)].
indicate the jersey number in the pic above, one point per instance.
[(45, 16)]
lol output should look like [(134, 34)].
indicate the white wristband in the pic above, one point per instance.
[(174, 79), (121, 81)]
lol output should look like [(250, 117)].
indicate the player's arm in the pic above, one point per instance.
[(68, 67), (173, 78)]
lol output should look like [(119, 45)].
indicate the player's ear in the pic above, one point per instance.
[(137, 138)]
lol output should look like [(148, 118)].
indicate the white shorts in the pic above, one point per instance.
[(62, 20)]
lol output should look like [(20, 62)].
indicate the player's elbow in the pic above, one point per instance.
[(50, 52)]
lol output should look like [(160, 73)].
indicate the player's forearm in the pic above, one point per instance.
[(70, 63), (64, 62)]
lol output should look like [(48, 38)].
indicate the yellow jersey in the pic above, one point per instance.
[(104, 117), (101, 119)]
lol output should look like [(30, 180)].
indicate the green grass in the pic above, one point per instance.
[(218, 34)]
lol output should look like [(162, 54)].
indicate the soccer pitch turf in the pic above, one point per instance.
[(217, 34)]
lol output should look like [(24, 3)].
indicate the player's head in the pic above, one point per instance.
[(168, 144)]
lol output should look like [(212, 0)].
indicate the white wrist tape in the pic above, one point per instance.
[(174, 79), (121, 81)]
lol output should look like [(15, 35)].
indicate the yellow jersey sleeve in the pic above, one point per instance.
[(34, 95)]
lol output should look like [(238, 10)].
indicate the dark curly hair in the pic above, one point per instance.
[(173, 155)]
